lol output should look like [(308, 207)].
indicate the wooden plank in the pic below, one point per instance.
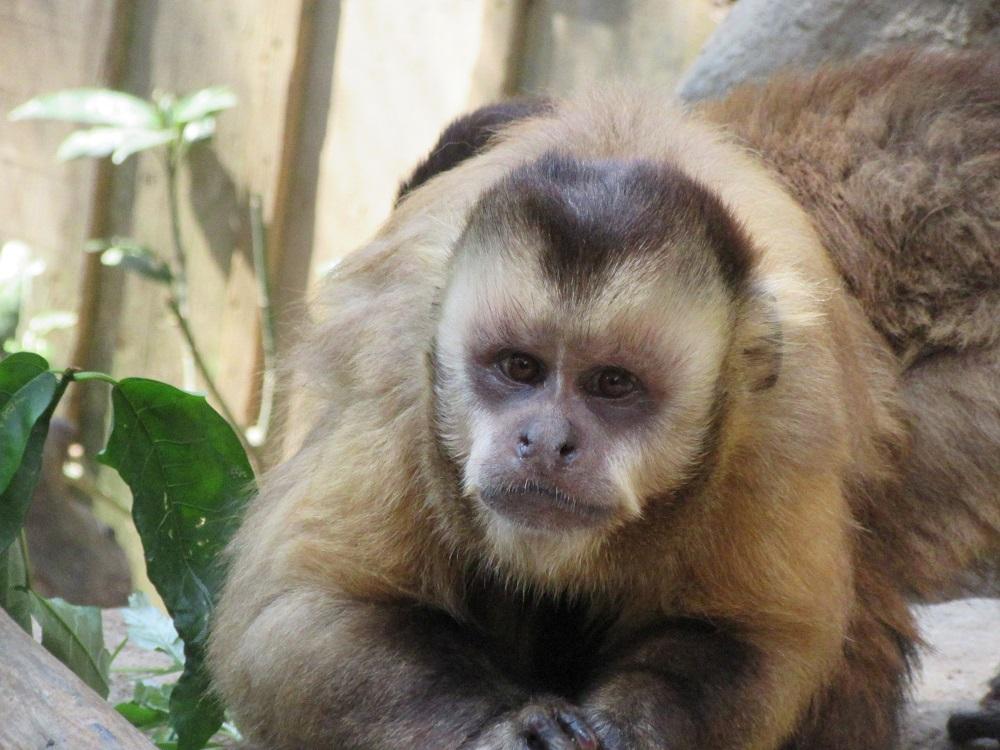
[(402, 72), (278, 184), (87, 407), (292, 231), (47, 707), (45, 47), (572, 46), (251, 46), (391, 76)]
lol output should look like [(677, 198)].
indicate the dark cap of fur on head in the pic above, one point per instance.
[(593, 215), (470, 135)]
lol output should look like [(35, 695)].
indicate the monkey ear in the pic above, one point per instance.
[(470, 135), (762, 348)]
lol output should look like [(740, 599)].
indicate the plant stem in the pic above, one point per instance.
[(178, 305), (258, 237), (185, 327), (151, 671), (114, 654), (84, 376), (22, 541), (179, 285)]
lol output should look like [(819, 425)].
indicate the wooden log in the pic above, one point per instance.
[(45, 706)]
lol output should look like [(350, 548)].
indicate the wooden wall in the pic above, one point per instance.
[(46, 46), (337, 101)]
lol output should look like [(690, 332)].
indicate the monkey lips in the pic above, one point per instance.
[(536, 505)]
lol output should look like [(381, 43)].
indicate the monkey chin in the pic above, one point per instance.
[(542, 508)]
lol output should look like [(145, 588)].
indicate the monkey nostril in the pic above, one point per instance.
[(567, 450), (524, 447)]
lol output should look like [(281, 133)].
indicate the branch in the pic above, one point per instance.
[(258, 236), (185, 328), (179, 283), (178, 305)]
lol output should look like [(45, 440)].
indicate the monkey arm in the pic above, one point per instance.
[(740, 664), (688, 684), (665, 683), (353, 674)]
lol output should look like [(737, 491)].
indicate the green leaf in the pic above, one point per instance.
[(152, 630), (199, 130), (91, 107), (93, 142), (131, 256), (74, 635), (208, 101), (195, 711), (190, 481), (51, 320), (155, 696), (141, 140), (150, 705), (13, 585), (100, 244), (28, 396), (118, 143), (142, 716), (16, 373)]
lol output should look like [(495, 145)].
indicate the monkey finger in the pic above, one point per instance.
[(543, 732), (578, 729), (555, 725)]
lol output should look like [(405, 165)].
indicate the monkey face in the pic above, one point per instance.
[(553, 418), (564, 425), (581, 341), (571, 403)]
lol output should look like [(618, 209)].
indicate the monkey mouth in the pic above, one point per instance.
[(535, 505)]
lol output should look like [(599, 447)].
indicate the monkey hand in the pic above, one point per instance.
[(546, 723)]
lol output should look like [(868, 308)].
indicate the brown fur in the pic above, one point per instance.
[(898, 162), (766, 608)]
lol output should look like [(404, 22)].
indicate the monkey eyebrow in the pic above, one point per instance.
[(509, 328), (497, 311), (628, 345)]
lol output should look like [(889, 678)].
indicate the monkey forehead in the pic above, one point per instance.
[(581, 220)]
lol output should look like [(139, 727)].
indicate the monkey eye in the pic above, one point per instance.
[(612, 382), (521, 368)]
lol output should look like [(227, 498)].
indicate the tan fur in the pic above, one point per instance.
[(778, 540)]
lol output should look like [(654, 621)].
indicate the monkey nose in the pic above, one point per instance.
[(559, 453)]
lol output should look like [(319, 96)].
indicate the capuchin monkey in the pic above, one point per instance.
[(638, 428)]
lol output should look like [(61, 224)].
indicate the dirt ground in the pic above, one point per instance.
[(963, 654)]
